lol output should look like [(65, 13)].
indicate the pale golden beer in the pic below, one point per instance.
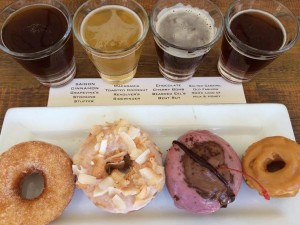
[(112, 36), (97, 28)]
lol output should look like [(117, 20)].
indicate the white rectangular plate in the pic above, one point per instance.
[(239, 124)]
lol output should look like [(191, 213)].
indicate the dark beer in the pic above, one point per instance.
[(183, 30), (179, 67), (36, 28), (258, 30)]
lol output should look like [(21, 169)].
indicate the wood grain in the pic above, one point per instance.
[(277, 83)]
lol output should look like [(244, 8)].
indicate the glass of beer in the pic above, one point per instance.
[(38, 35), (112, 32), (184, 32), (256, 33)]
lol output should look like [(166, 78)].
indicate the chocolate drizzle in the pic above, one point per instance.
[(224, 198)]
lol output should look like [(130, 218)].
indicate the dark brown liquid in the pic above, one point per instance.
[(256, 30), (36, 28), (178, 65), (188, 29)]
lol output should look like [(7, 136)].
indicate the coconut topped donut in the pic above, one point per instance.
[(119, 167)]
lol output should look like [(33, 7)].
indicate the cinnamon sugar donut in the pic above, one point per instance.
[(119, 167), (27, 158), (275, 163)]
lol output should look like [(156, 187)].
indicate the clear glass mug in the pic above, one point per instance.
[(247, 49), (44, 49), (116, 63)]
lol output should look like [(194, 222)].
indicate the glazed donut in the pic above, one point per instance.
[(202, 172), (25, 159), (275, 163), (119, 168)]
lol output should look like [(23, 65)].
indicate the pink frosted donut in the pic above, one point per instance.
[(205, 186)]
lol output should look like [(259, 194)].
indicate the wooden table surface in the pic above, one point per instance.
[(278, 83)]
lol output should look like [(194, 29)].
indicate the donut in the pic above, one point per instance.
[(34, 157), (119, 167), (274, 162), (202, 172)]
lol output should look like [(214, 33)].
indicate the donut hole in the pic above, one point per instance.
[(275, 164), (32, 185)]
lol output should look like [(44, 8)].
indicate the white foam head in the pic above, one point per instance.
[(186, 27)]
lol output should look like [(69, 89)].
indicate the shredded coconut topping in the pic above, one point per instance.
[(123, 165)]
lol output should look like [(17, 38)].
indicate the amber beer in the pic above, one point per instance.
[(112, 30)]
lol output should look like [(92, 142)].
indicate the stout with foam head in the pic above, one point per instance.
[(183, 34)]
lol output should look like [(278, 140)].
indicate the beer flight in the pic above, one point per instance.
[(38, 34)]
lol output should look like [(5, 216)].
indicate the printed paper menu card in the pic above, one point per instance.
[(147, 91)]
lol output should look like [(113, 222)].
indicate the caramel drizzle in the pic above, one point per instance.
[(201, 161)]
